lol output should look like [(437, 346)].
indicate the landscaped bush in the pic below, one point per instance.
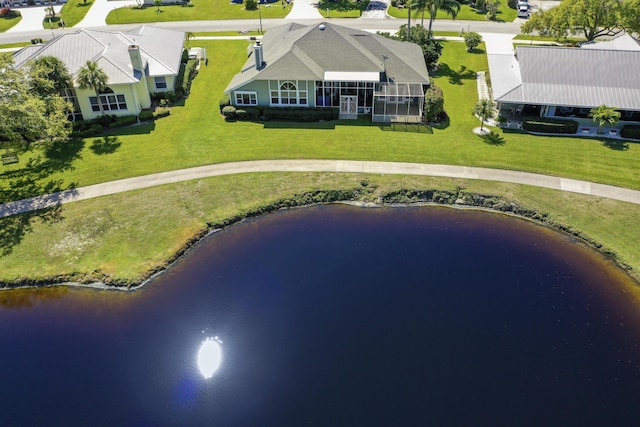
[(86, 129), (146, 116), (5, 12), (630, 131), (185, 76), (229, 112), (433, 102), (550, 126), (123, 121), (301, 114), (224, 102), (248, 113), (161, 112), (251, 4)]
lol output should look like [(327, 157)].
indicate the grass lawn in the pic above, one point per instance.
[(12, 45), (130, 233), (72, 12), (342, 8), (466, 13), (7, 22), (126, 236), (199, 10)]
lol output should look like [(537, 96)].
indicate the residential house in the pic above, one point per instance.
[(328, 65), (552, 81), (138, 63)]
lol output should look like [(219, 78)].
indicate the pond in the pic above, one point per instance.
[(338, 315)]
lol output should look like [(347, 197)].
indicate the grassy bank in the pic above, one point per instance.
[(195, 134), (125, 237), (197, 10), (7, 22)]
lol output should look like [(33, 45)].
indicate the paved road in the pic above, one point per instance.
[(253, 24), (387, 168)]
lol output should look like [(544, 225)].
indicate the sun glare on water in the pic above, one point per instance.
[(209, 357)]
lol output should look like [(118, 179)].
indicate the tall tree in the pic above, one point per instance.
[(450, 7), (484, 109), (604, 115), (589, 18), (630, 14), (49, 76), (431, 48), (91, 76), (26, 116)]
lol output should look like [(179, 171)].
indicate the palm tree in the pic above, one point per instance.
[(450, 7), (604, 115), (91, 76), (484, 109), (189, 35)]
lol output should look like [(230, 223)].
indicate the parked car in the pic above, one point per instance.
[(523, 11)]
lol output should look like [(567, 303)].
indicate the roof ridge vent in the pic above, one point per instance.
[(322, 27)]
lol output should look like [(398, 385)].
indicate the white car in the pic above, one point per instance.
[(523, 11)]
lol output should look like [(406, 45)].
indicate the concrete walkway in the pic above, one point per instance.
[(114, 187)]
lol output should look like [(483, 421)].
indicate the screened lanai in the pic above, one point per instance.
[(398, 102)]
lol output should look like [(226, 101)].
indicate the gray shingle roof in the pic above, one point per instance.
[(577, 77), (293, 51), (161, 51)]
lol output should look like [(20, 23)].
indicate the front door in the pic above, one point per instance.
[(349, 106)]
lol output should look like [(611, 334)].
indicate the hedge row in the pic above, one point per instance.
[(630, 131), (185, 76), (301, 114), (551, 126)]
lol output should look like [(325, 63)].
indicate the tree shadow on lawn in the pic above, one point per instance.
[(616, 144), (492, 138), (301, 125), (455, 77), (34, 180), (343, 5), (107, 145)]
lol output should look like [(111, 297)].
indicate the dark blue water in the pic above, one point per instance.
[(339, 316)]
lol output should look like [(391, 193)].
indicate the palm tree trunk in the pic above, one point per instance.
[(409, 22), (99, 103)]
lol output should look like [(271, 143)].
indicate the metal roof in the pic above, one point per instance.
[(576, 77), (160, 49), (293, 51)]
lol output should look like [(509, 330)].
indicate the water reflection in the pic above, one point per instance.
[(209, 356)]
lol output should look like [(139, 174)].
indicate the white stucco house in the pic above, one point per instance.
[(138, 63)]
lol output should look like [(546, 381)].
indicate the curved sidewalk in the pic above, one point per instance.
[(113, 187)]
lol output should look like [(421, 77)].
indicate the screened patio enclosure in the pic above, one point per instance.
[(398, 102)]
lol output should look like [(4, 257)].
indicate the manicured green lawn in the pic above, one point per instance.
[(342, 8), (505, 14), (199, 10), (11, 45), (126, 236), (72, 12), (129, 234), (9, 22)]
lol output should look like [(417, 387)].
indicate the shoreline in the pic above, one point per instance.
[(402, 198)]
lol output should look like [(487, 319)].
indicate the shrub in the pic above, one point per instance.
[(36, 41), (630, 131), (433, 103), (301, 114), (224, 102), (185, 76), (251, 4), (229, 112), (146, 116), (472, 40), (86, 129), (512, 3), (550, 126), (123, 121), (248, 113), (185, 56), (162, 112)]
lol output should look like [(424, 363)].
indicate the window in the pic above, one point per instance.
[(246, 98), (161, 82), (288, 93), (109, 102)]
